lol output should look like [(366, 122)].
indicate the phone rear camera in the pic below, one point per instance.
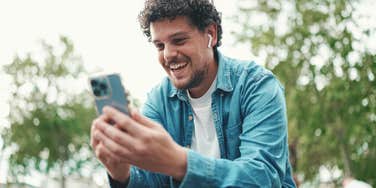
[(100, 87)]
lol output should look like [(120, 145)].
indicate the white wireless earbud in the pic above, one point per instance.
[(210, 41)]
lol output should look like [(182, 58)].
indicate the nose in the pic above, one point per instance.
[(169, 53)]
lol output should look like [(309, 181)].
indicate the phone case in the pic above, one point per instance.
[(109, 91)]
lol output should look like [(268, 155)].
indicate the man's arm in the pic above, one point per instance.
[(116, 167), (144, 143), (263, 160)]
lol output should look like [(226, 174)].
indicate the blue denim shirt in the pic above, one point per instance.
[(249, 114)]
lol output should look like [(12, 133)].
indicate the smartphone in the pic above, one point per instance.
[(109, 91)]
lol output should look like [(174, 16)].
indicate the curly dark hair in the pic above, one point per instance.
[(201, 14)]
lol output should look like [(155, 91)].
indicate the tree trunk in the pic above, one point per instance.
[(293, 154), (62, 177), (346, 160), (343, 148)]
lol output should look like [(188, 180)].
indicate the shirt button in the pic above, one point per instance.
[(190, 118), (221, 94)]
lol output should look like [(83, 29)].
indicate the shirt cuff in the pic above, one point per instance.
[(200, 171), (117, 184)]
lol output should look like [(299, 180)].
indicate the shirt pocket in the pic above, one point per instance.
[(233, 141)]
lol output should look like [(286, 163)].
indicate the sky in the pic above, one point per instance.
[(105, 34)]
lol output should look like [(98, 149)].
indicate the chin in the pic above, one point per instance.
[(180, 84)]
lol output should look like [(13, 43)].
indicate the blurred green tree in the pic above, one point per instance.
[(50, 115), (318, 50)]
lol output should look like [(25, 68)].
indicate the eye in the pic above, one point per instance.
[(159, 46), (179, 41)]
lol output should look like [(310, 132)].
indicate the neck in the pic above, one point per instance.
[(203, 87)]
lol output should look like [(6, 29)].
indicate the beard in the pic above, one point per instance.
[(197, 76), (196, 79)]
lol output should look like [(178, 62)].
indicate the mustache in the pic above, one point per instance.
[(176, 59)]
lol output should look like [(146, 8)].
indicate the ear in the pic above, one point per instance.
[(212, 31)]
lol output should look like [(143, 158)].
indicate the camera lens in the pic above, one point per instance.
[(94, 83), (103, 86), (97, 92)]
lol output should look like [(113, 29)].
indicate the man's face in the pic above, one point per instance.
[(182, 51)]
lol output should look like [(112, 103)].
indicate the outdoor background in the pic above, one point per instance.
[(323, 51)]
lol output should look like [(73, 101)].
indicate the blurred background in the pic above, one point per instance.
[(323, 51)]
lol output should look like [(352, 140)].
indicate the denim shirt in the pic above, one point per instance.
[(249, 114)]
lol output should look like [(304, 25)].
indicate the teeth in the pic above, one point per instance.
[(177, 66)]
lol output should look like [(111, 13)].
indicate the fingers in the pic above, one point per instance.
[(106, 156), (142, 119), (111, 148), (115, 134), (123, 121), (93, 141)]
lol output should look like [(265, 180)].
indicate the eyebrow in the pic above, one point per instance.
[(173, 35)]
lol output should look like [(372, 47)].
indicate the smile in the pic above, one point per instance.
[(177, 66)]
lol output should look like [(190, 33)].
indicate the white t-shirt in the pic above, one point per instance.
[(204, 137)]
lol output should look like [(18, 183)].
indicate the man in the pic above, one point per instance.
[(213, 122)]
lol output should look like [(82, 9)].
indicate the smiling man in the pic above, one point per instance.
[(184, 53), (212, 122)]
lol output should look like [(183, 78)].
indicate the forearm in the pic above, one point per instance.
[(243, 172)]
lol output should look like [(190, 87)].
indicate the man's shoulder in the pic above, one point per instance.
[(249, 69)]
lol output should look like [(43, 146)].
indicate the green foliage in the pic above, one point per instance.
[(316, 48), (50, 119)]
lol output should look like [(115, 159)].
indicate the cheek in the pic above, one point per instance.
[(162, 61), (160, 56)]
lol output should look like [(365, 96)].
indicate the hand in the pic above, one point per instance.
[(144, 143), (117, 168)]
